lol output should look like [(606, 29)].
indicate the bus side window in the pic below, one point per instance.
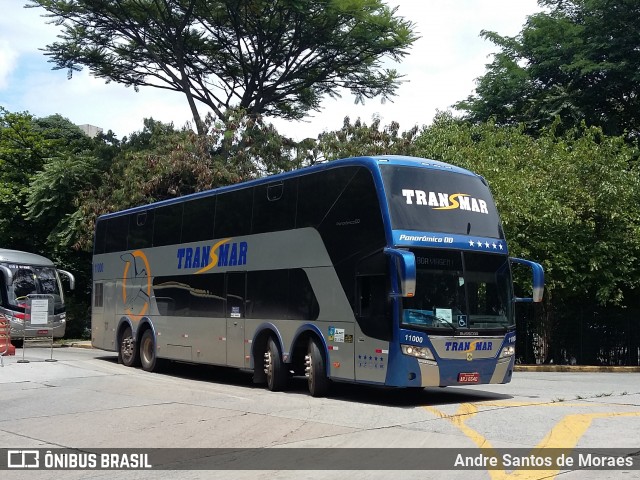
[(274, 206), (98, 294), (167, 225), (233, 213), (140, 230), (117, 233), (198, 219), (100, 238)]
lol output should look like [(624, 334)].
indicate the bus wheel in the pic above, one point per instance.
[(315, 370), (148, 352), (273, 367), (128, 351)]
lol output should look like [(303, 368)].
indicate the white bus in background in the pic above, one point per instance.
[(23, 274)]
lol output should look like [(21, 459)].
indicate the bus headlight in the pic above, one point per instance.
[(418, 352), (508, 351)]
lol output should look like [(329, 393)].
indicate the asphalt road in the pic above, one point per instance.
[(85, 401)]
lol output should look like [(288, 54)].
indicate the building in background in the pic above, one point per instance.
[(90, 130)]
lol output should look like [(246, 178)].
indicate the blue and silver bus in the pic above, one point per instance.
[(388, 270)]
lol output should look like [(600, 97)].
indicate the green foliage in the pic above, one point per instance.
[(53, 192), (357, 139), (577, 61), (277, 58), (26, 143)]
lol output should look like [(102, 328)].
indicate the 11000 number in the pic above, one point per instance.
[(413, 338)]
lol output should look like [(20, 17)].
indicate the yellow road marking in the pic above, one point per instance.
[(564, 436)]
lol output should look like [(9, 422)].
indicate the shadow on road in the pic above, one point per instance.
[(396, 397)]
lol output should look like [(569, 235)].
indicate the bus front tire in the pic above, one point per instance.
[(128, 353), (274, 368), (316, 371), (148, 357)]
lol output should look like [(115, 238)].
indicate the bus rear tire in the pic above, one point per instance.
[(128, 353), (274, 368), (148, 359), (316, 371)]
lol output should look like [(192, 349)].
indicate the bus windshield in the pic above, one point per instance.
[(460, 290), (27, 280)]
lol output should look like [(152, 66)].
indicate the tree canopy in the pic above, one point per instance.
[(578, 61), (277, 58)]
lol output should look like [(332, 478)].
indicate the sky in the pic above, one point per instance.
[(439, 70)]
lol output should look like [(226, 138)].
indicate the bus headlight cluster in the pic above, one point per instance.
[(418, 352), (508, 351)]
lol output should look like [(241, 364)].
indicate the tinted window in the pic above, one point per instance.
[(354, 223), (167, 225), (274, 206), (197, 219), (116, 236), (267, 294), (437, 201), (280, 294), (190, 295), (303, 304), (100, 238), (140, 230), (318, 192), (233, 213)]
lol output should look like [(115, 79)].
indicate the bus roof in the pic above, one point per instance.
[(370, 162), (23, 258)]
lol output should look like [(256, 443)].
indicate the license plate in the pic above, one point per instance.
[(469, 377)]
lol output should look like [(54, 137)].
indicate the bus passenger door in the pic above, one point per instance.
[(235, 318), (373, 329)]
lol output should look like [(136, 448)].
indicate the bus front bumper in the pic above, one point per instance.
[(55, 329)]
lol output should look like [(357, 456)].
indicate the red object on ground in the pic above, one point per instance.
[(6, 348)]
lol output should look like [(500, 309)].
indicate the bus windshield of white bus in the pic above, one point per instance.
[(460, 290), (28, 280)]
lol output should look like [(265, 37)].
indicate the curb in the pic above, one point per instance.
[(79, 345), (575, 368)]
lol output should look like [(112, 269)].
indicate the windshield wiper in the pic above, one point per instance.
[(447, 323)]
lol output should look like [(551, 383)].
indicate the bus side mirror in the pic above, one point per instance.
[(406, 268), (69, 275), (6, 273), (537, 280)]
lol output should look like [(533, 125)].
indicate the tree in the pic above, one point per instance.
[(26, 144), (277, 58), (577, 61), (356, 139)]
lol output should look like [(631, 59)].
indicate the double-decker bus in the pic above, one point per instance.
[(385, 270), (22, 275)]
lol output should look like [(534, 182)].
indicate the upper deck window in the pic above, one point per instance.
[(430, 200)]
